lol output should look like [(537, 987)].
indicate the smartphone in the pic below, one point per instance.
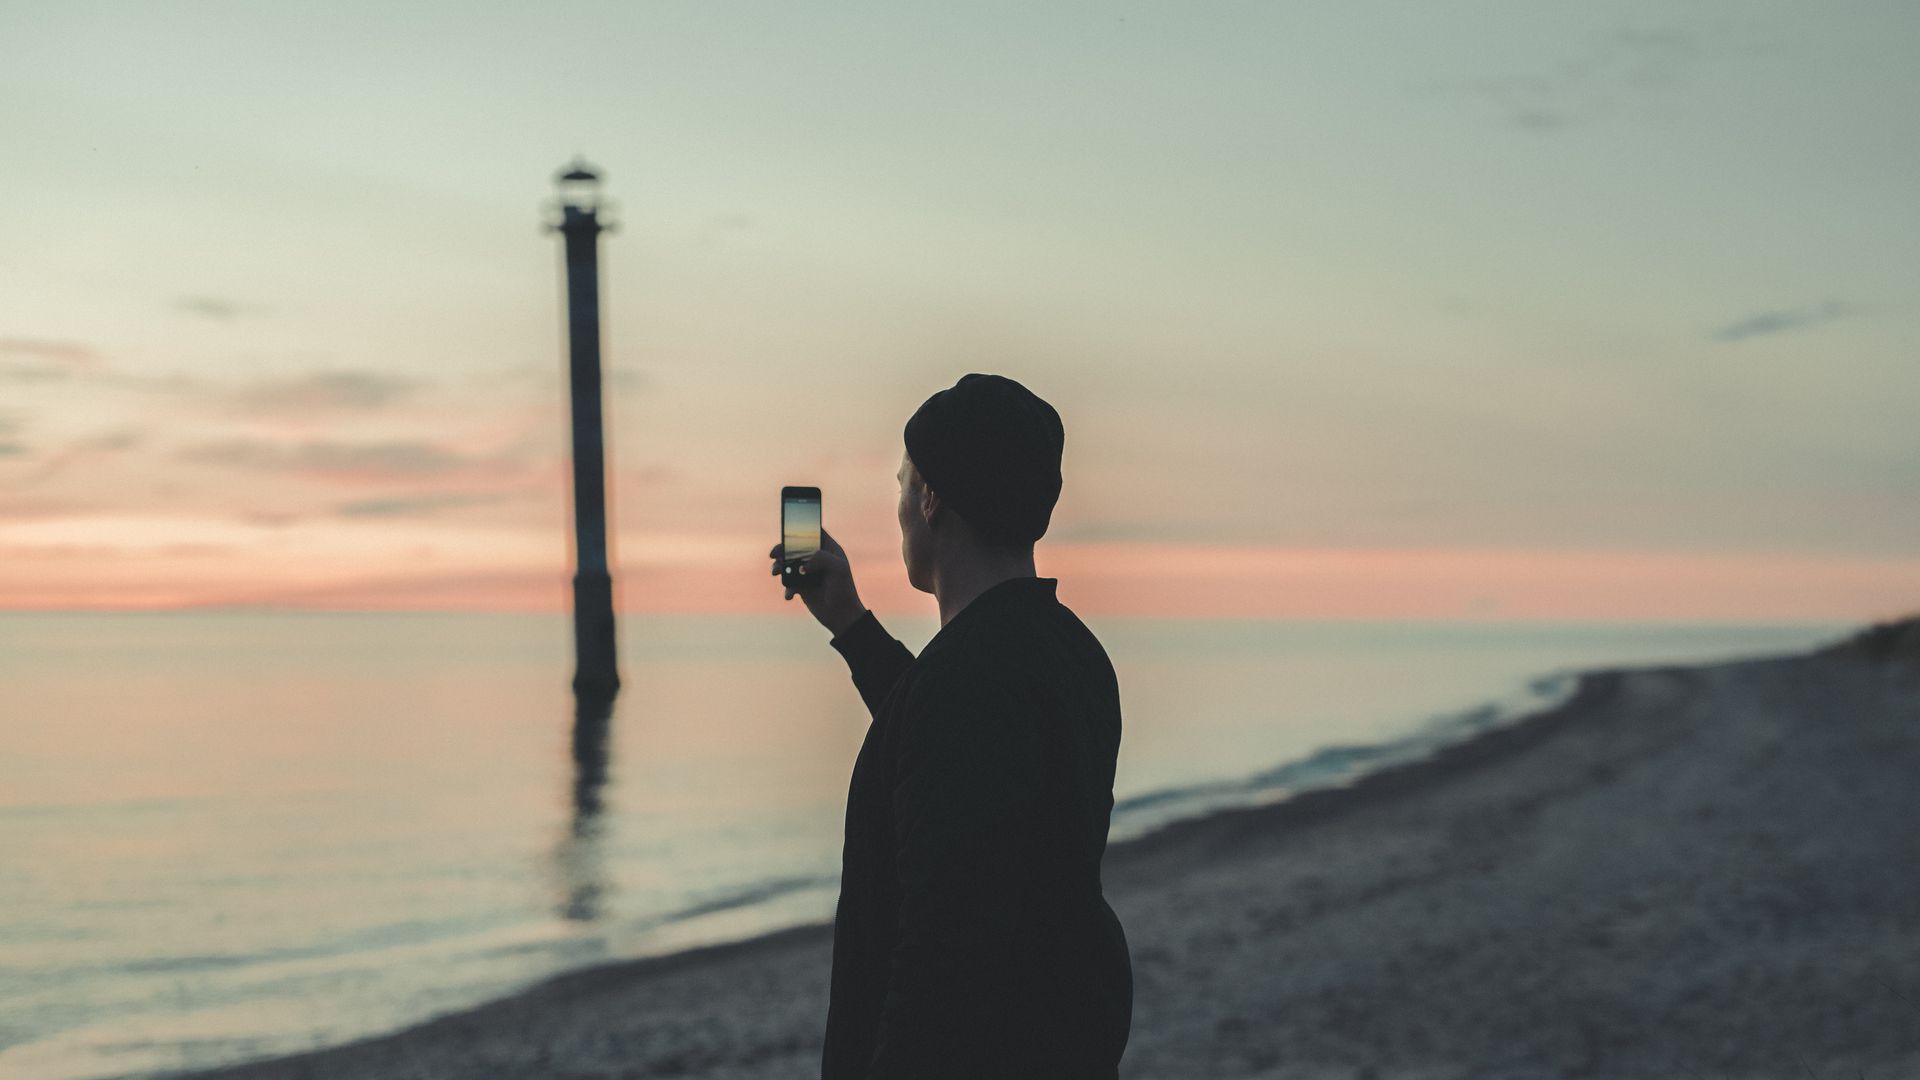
[(799, 533)]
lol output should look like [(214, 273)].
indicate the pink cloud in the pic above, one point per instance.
[(68, 354)]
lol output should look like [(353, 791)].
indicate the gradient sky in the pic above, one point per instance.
[(1490, 310)]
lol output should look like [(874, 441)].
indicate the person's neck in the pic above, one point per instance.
[(957, 582)]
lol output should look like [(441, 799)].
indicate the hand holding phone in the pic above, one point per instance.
[(811, 564)]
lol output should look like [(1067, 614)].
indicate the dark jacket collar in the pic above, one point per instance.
[(1014, 590), (1011, 592)]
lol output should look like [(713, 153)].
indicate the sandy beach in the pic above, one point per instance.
[(1706, 872)]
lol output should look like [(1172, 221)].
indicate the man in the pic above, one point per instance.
[(971, 938)]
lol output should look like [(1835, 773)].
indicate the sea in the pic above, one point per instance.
[(229, 835)]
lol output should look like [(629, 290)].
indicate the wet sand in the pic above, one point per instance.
[(1706, 872)]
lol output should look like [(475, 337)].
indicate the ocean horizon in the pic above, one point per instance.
[(238, 834)]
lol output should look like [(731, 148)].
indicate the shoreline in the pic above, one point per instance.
[(586, 980), (1215, 905)]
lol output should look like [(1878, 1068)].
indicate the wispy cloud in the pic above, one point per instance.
[(38, 360), (1587, 84), (87, 448), (629, 379), (412, 505), (1775, 322), (69, 353), (216, 308), (717, 227), (392, 458), (50, 360), (323, 390)]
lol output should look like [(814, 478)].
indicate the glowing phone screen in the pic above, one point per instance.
[(799, 527)]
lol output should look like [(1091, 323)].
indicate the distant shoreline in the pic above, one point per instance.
[(1613, 851)]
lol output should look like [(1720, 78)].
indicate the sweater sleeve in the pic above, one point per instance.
[(968, 775), (875, 657)]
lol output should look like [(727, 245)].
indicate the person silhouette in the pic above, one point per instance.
[(971, 936)]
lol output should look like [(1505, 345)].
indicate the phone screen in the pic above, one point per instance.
[(799, 523)]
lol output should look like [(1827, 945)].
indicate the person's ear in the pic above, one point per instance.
[(929, 504)]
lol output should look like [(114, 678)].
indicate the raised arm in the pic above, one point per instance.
[(876, 658)]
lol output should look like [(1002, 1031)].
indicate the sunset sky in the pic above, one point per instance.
[(1351, 310)]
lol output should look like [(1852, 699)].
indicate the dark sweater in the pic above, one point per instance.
[(971, 938)]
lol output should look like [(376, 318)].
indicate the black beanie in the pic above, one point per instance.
[(991, 448)]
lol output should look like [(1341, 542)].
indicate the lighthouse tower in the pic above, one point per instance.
[(580, 222)]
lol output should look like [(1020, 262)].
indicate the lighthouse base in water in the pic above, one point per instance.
[(596, 674)]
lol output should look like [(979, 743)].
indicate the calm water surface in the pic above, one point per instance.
[(230, 835)]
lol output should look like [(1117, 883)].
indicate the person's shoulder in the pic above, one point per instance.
[(954, 707), (953, 674), (1076, 629), (994, 650), (1000, 665)]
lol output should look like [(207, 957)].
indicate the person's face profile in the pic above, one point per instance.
[(912, 524)]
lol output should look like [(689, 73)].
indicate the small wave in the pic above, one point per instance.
[(753, 894), (1159, 796), (1339, 763), (1328, 762)]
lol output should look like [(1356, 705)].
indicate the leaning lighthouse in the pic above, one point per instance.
[(580, 222)]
